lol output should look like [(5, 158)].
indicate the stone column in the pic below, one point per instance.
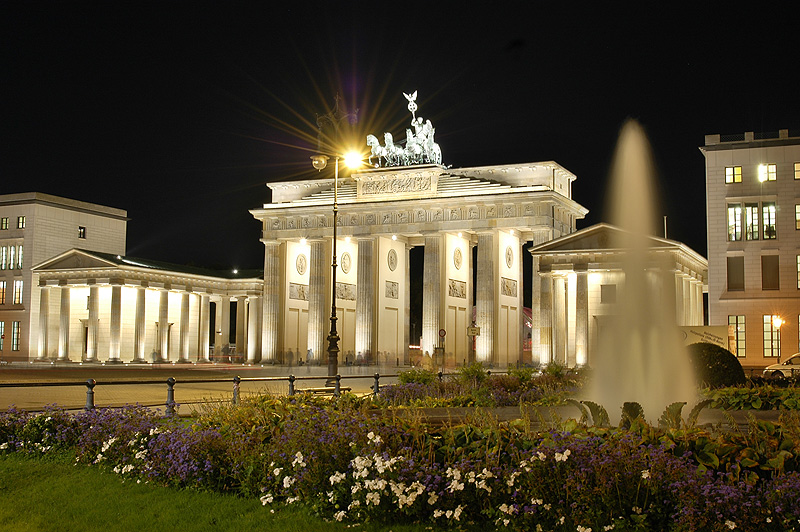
[(92, 324), (44, 315), (365, 300), (486, 293), (253, 334), (582, 314), (139, 326), (115, 325), (270, 334), (224, 324), (318, 293), (241, 325), (431, 294), (407, 305), (545, 315), (203, 326), (63, 325), (183, 354), (679, 295), (163, 324), (687, 301), (560, 330), (536, 322), (471, 316)]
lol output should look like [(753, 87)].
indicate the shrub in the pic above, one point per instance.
[(715, 366), (417, 375), (473, 374)]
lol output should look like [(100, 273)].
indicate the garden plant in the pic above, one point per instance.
[(352, 459)]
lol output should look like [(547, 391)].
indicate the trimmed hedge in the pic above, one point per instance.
[(715, 366)]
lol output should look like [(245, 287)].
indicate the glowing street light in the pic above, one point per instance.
[(352, 160)]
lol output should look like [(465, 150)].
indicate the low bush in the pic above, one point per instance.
[(715, 366)]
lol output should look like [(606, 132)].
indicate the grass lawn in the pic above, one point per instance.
[(52, 494)]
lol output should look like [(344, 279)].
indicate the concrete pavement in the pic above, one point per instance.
[(32, 386)]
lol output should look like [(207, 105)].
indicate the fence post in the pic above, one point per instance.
[(90, 394), (377, 385), (337, 385), (291, 385), (236, 380), (170, 396)]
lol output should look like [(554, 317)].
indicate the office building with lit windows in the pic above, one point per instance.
[(35, 227), (753, 227)]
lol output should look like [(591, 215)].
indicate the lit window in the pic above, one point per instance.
[(3, 257), (770, 273), (81, 232), (797, 170), (734, 222), (733, 174), (768, 215), (4, 221), (11, 252), (17, 292), (735, 273), (737, 322), (3, 286), (772, 336), (798, 271), (797, 216), (15, 333), (767, 172), (20, 222), (19, 257), (751, 221), (2, 333)]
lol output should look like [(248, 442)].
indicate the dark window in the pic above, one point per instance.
[(735, 273), (608, 293), (81, 232), (770, 275)]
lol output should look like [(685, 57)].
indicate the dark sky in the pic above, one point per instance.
[(181, 112)]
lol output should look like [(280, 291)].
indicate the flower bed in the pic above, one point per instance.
[(349, 465)]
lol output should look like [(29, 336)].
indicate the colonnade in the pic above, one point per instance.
[(122, 322)]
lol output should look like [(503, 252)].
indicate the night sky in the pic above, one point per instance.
[(181, 112)]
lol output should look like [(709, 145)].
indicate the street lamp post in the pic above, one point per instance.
[(319, 162)]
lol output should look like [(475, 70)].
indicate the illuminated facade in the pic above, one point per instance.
[(578, 279), (383, 213), (35, 227), (753, 224)]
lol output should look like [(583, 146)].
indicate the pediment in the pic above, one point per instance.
[(75, 260), (598, 237)]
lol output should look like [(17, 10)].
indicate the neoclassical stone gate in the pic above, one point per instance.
[(383, 213)]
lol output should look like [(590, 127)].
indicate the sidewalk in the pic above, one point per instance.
[(187, 393)]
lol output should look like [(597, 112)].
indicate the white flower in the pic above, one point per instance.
[(374, 438), (457, 512), (730, 524), (562, 457), (437, 514), (536, 501), (288, 481), (374, 498), (541, 456), (561, 521), (3, 446), (337, 477), (432, 498), (298, 460), (277, 471), (645, 474), (608, 527), (266, 499), (769, 519), (584, 529), (455, 486), (505, 522), (290, 500), (339, 515), (636, 510)]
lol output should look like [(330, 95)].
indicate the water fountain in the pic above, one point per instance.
[(640, 356)]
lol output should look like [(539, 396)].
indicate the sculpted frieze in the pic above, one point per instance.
[(298, 291), (473, 213), (508, 287), (419, 215), (392, 290), (457, 288), (398, 185), (346, 291), (370, 219)]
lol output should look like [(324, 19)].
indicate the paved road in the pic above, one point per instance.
[(187, 393)]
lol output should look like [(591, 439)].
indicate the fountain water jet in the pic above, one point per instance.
[(640, 356)]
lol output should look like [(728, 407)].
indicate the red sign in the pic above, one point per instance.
[(442, 333)]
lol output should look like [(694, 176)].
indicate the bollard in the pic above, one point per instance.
[(337, 385), (170, 396), (377, 385), (90, 394), (291, 385), (441, 375), (236, 380)]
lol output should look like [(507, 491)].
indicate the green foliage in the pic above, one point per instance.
[(631, 411), (599, 414), (473, 374), (715, 366), (418, 375), (525, 374), (671, 418), (759, 398)]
